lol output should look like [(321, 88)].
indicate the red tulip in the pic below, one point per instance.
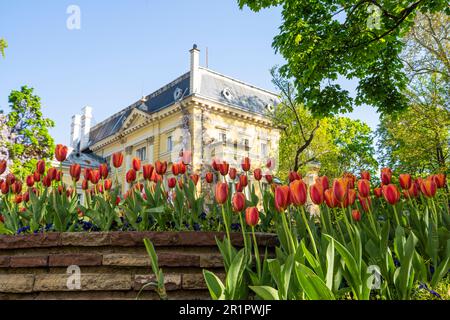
[(195, 177), (365, 203), (239, 187), (282, 198), (95, 176), (182, 167), (232, 173), (364, 188), (30, 181), (156, 177), (147, 171), (118, 200), (136, 164), (365, 175), (2, 219), (4, 187), (428, 188), (293, 175), (172, 182), (246, 164), (69, 193), (36, 176), (378, 192), (18, 198), (3, 165), (16, 187), (252, 216), (117, 159), (243, 180), (85, 184), (75, 171), (413, 191), (238, 202), (316, 193), (161, 167), (257, 174), (269, 164), (40, 167), (340, 189), (103, 169), (209, 177), (61, 152), (47, 181), (298, 192), (349, 180), (329, 198), (386, 176), (350, 199), (52, 172), (221, 192), (215, 165), (324, 182), (269, 178), (224, 167), (440, 180), (391, 194), (180, 183), (107, 184), (405, 181), (356, 215), (87, 173), (131, 176), (10, 178)]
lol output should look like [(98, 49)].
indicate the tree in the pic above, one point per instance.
[(3, 46), (30, 139), (323, 40), (338, 143)]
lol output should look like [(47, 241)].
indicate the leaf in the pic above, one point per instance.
[(265, 292), (234, 274), (214, 284), (313, 286), (330, 265)]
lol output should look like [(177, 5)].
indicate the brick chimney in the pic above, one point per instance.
[(86, 121), (195, 73)]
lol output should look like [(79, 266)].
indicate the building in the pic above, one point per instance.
[(202, 111)]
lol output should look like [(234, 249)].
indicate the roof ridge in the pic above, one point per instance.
[(239, 81)]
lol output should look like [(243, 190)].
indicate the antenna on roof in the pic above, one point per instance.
[(206, 57)]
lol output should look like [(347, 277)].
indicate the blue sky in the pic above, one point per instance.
[(127, 48)]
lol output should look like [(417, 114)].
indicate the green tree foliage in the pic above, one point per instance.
[(30, 139), (323, 40), (340, 144), (3, 46)]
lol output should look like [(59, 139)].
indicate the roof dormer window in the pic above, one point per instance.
[(227, 94)]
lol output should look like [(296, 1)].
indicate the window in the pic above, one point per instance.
[(264, 150), (169, 144), (235, 149), (141, 153), (223, 138), (247, 145)]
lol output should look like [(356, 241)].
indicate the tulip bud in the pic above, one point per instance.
[(30, 181), (172, 182), (75, 171), (40, 167), (365, 175), (293, 175), (269, 178), (161, 167), (47, 181), (238, 202), (131, 176), (252, 216), (4, 187), (405, 181), (246, 164), (221, 192), (440, 180), (340, 189), (61, 152), (3, 165), (103, 169), (107, 184), (243, 180), (329, 198), (10, 179), (16, 187), (378, 192), (195, 178), (95, 176), (36, 176), (147, 171), (117, 159), (282, 198), (136, 162), (365, 203), (175, 169), (59, 175), (224, 167), (386, 176), (324, 182), (298, 192), (316, 193), (209, 177), (428, 188), (85, 184), (18, 198), (215, 165), (391, 194), (364, 187), (257, 174), (356, 215), (232, 173), (239, 187)]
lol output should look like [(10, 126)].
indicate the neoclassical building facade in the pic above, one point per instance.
[(203, 112)]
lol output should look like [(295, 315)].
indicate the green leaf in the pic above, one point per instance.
[(313, 286), (215, 286), (265, 292)]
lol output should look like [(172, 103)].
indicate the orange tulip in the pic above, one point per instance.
[(386, 176), (350, 199), (349, 180), (440, 180), (282, 198), (221, 192), (103, 169), (131, 176), (252, 216), (117, 159), (391, 194), (340, 189), (3, 165), (405, 181), (428, 188), (364, 187), (298, 192), (161, 167), (195, 177), (147, 171), (175, 169), (107, 184), (329, 198), (61, 152), (316, 193), (365, 203), (257, 174), (356, 215), (75, 171), (324, 182), (209, 177), (136, 163), (224, 167), (95, 176), (238, 202), (182, 167), (246, 164), (18, 198), (413, 191)]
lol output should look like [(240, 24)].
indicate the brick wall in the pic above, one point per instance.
[(114, 265)]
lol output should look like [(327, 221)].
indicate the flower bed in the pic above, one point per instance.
[(113, 265)]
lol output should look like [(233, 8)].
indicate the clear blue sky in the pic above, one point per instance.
[(126, 48)]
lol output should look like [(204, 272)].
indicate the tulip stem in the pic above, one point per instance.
[(396, 216), (243, 233), (313, 240), (290, 241), (225, 221), (258, 261)]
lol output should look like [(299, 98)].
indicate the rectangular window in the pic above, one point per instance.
[(141, 153), (264, 152), (223, 138), (235, 150), (169, 144), (247, 145)]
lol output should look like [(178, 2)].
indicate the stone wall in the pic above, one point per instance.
[(114, 265)]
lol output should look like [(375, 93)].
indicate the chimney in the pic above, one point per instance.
[(86, 119), (195, 73), (75, 131)]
